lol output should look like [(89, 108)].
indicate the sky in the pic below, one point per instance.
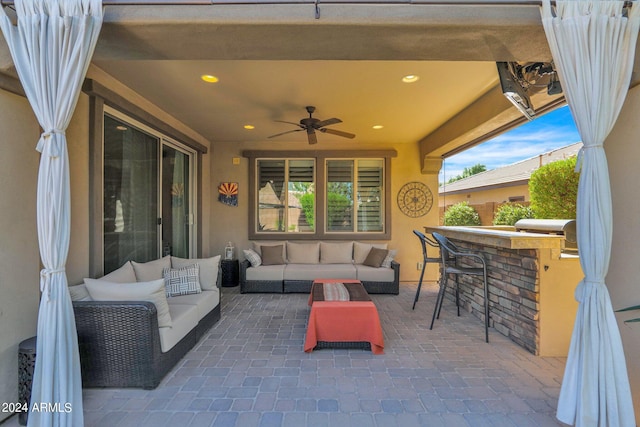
[(545, 133)]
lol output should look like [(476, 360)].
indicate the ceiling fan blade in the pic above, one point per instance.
[(327, 122), (291, 123), (284, 133), (338, 132), (311, 136)]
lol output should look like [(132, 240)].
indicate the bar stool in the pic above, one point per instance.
[(424, 241), (450, 264)]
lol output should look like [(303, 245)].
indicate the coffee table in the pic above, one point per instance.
[(342, 312)]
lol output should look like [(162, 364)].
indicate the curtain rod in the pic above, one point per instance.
[(627, 3), (315, 2)]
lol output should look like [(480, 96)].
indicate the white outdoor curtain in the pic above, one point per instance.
[(51, 48), (593, 48)]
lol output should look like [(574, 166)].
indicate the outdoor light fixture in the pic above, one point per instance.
[(513, 90), (519, 80)]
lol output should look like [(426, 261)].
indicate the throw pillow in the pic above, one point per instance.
[(272, 255), (124, 274), (389, 258), (336, 253), (253, 257), (303, 253), (257, 246), (208, 270), (361, 250), (375, 257), (182, 281), (152, 291), (79, 293), (152, 270)]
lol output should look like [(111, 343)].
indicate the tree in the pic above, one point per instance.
[(307, 202), (553, 189), (510, 213), (467, 172), (461, 214)]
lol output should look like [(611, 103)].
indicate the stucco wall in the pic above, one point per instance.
[(623, 153), (231, 223), (499, 195), (19, 257)]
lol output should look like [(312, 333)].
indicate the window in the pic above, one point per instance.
[(354, 195), (328, 196), (286, 195)]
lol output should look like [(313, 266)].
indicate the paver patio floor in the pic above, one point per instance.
[(251, 370)]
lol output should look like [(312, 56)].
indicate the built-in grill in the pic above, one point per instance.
[(564, 227)]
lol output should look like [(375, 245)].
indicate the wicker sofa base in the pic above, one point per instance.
[(304, 286), (269, 286), (207, 322), (119, 343)]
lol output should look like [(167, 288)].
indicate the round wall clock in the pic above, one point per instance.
[(415, 199)]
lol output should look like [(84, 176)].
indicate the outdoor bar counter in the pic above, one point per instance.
[(531, 286)]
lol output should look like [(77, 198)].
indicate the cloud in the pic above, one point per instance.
[(551, 131)]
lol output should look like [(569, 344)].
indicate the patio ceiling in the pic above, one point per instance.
[(273, 60)]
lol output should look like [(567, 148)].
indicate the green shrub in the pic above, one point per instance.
[(553, 189), (461, 214), (510, 213), (307, 201)]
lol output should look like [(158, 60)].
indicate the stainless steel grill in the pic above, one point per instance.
[(564, 227)]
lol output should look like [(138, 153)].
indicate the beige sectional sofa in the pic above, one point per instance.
[(130, 332), (292, 266)]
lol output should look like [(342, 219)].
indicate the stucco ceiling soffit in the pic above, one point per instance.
[(345, 32), (485, 118)]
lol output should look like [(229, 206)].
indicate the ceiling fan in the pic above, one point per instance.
[(311, 125)]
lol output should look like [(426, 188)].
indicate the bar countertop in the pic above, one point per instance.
[(500, 237)]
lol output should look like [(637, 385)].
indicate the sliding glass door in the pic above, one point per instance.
[(148, 203)]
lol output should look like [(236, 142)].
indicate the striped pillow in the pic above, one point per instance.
[(253, 257), (182, 281)]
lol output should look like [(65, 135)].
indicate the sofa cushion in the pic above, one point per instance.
[(204, 301), (319, 271), (185, 318), (373, 274), (152, 270), (336, 252), (152, 291), (272, 255), (361, 250), (79, 293), (303, 253), (375, 257), (208, 269), (182, 281), (124, 274), (253, 257), (266, 272)]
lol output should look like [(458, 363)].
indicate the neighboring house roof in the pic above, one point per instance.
[(510, 175)]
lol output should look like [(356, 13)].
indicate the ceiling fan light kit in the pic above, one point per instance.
[(311, 125)]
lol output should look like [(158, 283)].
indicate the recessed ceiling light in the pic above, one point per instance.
[(249, 127), (410, 78), (122, 128), (209, 78), (376, 127)]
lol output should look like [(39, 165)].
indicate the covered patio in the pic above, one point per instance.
[(444, 373), (251, 370)]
